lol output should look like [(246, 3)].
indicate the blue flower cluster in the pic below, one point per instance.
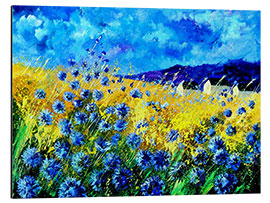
[(28, 187), (58, 107), (93, 154), (153, 186), (71, 188), (134, 141), (45, 117), (40, 94), (225, 183), (50, 168), (80, 161), (32, 157)]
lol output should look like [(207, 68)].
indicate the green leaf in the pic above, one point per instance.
[(180, 188), (209, 183), (240, 189)]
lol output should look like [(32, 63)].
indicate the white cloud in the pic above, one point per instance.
[(28, 23)]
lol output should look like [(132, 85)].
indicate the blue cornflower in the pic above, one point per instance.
[(79, 161), (200, 156), (229, 99), (110, 91), (31, 157), (225, 183), (93, 117), (172, 135), (75, 85), (120, 125), (256, 127), (76, 138), (134, 141), (104, 126), (85, 93), (77, 103), (214, 120), (227, 113), (68, 96), (71, 188), (40, 94), (61, 149), (257, 147), (122, 110), (122, 178), (96, 75), (148, 93), (50, 168), (220, 157), (102, 145), (144, 159), (233, 162), (144, 84), (91, 107), (97, 95), (197, 176), (115, 139), (45, 117), (148, 104), (65, 126), (230, 130), (216, 143), (61, 75), (241, 110), (28, 187), (105, 81), (84, 64), (71, 62), (80, 117), (106, 70), (58, 107), (251, 104), (98, 180), (250, 138), (200, 138), (211, 132), (136, 93), (111, 161), (109, 110), (161, 160), (152, 186), (223, 103), (123, 88), (87, 77), (75, 72)]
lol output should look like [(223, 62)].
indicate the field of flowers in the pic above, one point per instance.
[(82, 132)]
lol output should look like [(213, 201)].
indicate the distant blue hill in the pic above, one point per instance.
[(234, 72)]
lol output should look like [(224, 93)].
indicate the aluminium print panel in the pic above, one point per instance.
[(134, 102)]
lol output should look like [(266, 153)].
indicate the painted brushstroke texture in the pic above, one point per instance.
[(135, 102), (147, 39)]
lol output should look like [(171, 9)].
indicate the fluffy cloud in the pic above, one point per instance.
[(146, 38)]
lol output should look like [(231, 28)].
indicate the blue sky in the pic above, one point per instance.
[(146, 39)]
